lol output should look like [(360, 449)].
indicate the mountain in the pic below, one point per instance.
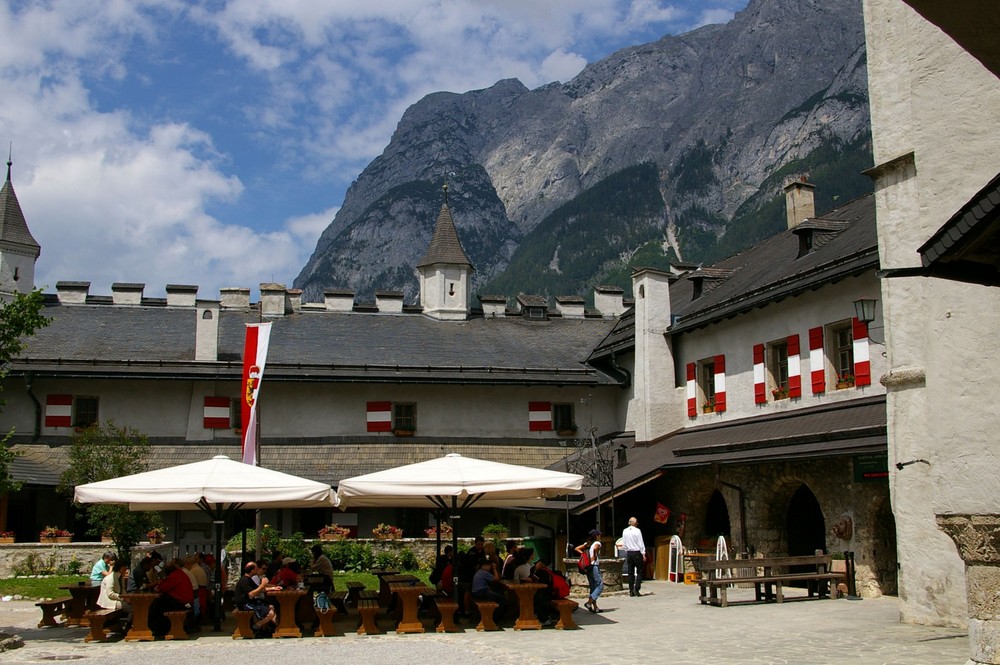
[(674, 149)]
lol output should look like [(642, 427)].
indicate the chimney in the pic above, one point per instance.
[(181, 295), (799, 203), (273, 299), (295, 299), (609, 300), (72, 293), (493, 306), (123, 293), (235, 297), (570, 306), (338, 300), (206, 341), (390, 302)]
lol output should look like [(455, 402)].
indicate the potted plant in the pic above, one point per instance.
[(106, 536), (404, 430), (53, 534), (779, 393), (7, 537), (569, 430), (845, 381), (495, 531), (334, 532), (708, 406), (387, 532), (155, 535), (446, 531)]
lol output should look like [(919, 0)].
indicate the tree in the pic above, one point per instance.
[(20, 317), (102, 452)]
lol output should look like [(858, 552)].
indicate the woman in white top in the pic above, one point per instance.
[(112, 589)]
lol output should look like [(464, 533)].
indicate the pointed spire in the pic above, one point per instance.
[(10, 151), (13, 227), (445, 247)]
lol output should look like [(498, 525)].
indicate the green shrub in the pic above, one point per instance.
[(72, 567), (35, 564), (408, 560), (385, 560), (350, 555)]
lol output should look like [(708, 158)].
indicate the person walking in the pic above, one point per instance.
[(594, 578), (635, 555)]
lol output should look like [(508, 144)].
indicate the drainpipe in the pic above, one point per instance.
[(28, 378), (619, 368), (743, 515)]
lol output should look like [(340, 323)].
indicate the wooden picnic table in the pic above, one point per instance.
[(287, 601), (84, 599), (766, 575), (525, 592), (408, 594), (384, 595), (140, 602)]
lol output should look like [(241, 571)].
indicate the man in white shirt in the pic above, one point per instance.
[(635, 554)]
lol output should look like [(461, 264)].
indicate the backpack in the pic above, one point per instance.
[(584, 563), (560, 585), (322, 602)]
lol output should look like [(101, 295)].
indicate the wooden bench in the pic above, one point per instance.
[(243, 629), (446, 607), (177, 619), (338, 601), (766, 575), (565, 607), (354, 590), (53, 608), (97, 620), (486, 609), (368, 608), (325, 627)]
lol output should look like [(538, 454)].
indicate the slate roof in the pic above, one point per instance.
[(445, 246), (156, 341), (849, 427), (967, 247), (319, 460), (13, 228)]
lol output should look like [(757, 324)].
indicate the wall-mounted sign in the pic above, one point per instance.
[(871, 468)]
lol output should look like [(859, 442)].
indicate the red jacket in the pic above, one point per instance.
[(177, 585)]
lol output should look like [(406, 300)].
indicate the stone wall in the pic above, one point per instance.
[(55, 555)]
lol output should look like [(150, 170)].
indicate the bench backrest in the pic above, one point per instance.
[(771, 562)]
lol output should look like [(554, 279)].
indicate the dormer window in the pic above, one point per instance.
[(805, 242), (697, 287), (536, 313)]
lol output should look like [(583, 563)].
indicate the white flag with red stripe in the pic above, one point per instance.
[(254, 358)]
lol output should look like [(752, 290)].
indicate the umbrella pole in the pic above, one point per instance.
[(454, 550), (217, 620)]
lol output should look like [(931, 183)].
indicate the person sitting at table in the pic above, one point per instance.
[(112, 588), (490, 549), (321, 566), (197, 574), (522, 560), (176, 594), (138, 580), (250, 595), (481, 589), (542, 574), (102, 568), (289, 575), (507, 571), (440, 564), (274, 565)]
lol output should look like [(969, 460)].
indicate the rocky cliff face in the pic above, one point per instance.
[(719, 112)]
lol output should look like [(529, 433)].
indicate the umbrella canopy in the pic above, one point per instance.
[(454, 480), (215, 484)]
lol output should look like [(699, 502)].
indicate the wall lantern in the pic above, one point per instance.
[(864, 309)]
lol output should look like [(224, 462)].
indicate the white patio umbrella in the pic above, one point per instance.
[(454, 483), (215, 486)]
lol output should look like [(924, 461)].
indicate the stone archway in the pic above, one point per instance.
[(805, 527), (884, 539), (717, 517)]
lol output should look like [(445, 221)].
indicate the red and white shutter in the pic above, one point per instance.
[(794, 367), (539, 416), (862, 361), (379, 416), (720, 383), (817, 371), (59, 411), (216, 413), (692, 392), (759, 387)]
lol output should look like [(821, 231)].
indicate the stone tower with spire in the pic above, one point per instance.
[(18, 248), (445, 271)]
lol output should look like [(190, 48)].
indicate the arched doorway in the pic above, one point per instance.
[(884, 554), (717, 517), (805, 528)]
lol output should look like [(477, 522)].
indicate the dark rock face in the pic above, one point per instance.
[(718, 112)]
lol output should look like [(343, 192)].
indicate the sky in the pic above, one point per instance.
[(210, 142)]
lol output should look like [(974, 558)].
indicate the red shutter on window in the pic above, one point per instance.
[(58, 410), (759, 388), (720, 383), (379, 416), (216, 413), (817, 371), (692, 394), (539, 416), (794, 367), (862, 361)]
